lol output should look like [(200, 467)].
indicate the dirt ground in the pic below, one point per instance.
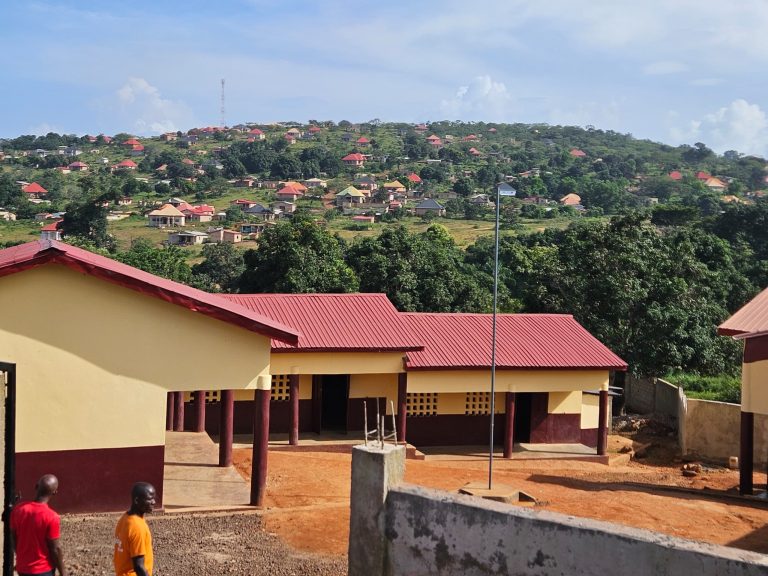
[(308, 494)]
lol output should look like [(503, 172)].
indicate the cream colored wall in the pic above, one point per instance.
[(754, 387), (337, 362), (377, 385), (508, 381), (95, 360), (590, 409), (564, 403)]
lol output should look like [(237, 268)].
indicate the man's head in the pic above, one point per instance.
[(46, 487), (142, 498)]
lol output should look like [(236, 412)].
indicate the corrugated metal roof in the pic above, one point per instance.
[(332, 322), (523, 341), (31, 254), (752, 318)]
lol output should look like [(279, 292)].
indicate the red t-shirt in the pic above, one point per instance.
[(33, 524)]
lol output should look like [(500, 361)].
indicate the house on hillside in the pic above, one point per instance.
[(224, 236), (78, 167), (571, 199), (429, 206), (165, 216), (354, 159), (395, 187), (675, 175), (7, 215), (715, 184), (186, 238), (259, 211), (283, 207), (125, 165), (201, 213), (350, 195), (365, 182), (34, 191), (51, 231), (289, 194), (576, 153)]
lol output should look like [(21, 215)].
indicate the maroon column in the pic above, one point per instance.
[(402, 406), (260, 446), (509, 424), (170, 412), (602, 424), (293, 397), (200, 411), (746, 453), (226, 422), (178, 419)]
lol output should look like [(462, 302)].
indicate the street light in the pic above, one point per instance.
[(502, 189)]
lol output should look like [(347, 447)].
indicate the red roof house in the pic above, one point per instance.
[(676, 175), (126, 165), (34, 190), (576, 153), (414, 178), (354, 159)]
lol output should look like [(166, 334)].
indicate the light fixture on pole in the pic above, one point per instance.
[(502, 189)]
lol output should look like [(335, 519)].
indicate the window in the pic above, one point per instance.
[(421, 404), (212, 396), (280, 387), (477, 403)]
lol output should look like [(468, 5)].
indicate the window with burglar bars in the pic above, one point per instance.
[(477, 403), (421, 404), (280, 387)]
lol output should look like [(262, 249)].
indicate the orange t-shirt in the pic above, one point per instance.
[(132, 538)]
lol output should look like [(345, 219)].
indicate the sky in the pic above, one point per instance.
[(680, 71)]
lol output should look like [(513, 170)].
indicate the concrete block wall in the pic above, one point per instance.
[(652, 396), (710, 430), (396, 529)]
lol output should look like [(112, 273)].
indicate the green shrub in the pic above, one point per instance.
[(719, 388)]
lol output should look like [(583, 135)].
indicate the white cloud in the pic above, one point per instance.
[(482, 99), (44, 128), (739, 126), (663, 67), (142, 105)]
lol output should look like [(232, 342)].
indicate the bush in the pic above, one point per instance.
[(719, 388)]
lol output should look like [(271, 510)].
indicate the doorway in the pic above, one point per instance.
[(8, 380), (522, 431), (334, 397)]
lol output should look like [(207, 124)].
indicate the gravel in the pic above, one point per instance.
[(195, 543)]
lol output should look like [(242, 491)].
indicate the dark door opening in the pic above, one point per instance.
[(523, 417), (8, 380), (334, 399)]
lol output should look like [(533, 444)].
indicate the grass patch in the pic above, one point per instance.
[(722, 388)]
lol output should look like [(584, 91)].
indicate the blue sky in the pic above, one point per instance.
[(676, 71)]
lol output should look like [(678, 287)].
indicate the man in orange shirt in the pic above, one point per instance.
[(133, 541)]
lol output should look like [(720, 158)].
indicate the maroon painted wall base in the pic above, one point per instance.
[(558, 429), (453, 430), (589, 437), (96, 480)]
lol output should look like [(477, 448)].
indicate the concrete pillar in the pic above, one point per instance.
[(602, 424), (509, 424), (170, 411), (402, 406), (260, 446), (178, 419), (293, 398), (374, 471), (200, 411), (226, 427), (746, 453)]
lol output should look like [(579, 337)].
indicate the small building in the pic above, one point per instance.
[(675, 175), (315, 183), (224, 236), (350, 195), (125, 165), (51, 231), (395, 186), (289, 193), (201, 213), (256, 134), (571, 199), (429, 206), (576, 153), (7, 215), (165, 216), (284, 207), (363, 219), (365, 182), (186, 238), (414, 178), (34, 191), (715, 184), (260, 211), (78, 167), (354, 159)]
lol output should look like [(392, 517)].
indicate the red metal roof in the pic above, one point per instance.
[(34, 188), (354, 156), (32, 254), (52, 227), (127, 163), (334, 322), (523, 341), (750, 319), (413, 177)]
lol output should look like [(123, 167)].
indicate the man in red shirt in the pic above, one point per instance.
[(35, 530)]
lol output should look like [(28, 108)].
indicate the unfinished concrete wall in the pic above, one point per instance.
[(430, 532), (406, 530), (710, 430), (652, 396)]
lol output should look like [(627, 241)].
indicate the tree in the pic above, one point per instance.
[(221, 268), (295, 257), (420, 272), (169, 262), (87, 219)]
